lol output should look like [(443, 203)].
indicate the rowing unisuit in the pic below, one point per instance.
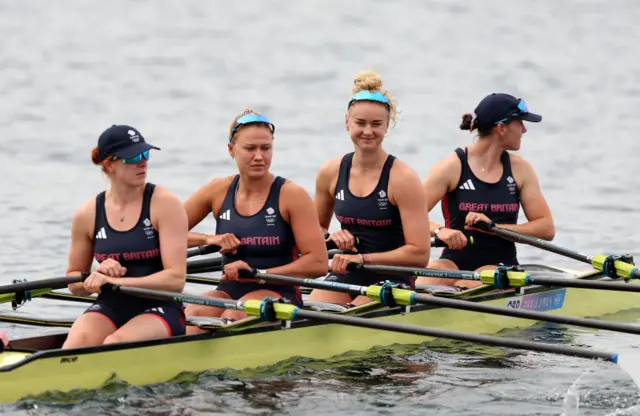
[(137, 249), (500, 201), (266, 241), (372, 219)]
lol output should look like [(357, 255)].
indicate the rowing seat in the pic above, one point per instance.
[(207, 321), (324, 306)]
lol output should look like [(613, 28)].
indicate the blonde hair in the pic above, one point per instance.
[(372, 81), (234, 123)]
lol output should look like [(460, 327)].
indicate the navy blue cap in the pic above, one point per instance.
[(498, 107), (122, 141)]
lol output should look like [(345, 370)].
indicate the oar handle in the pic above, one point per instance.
[(436, 242), (485, 226), (331, 245), (203, 250)]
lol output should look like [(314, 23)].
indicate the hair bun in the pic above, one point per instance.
[(367, 80), (466, 122)]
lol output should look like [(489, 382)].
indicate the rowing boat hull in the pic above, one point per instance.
[(26, 373)]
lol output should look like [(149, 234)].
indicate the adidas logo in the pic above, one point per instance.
[(226, 215), (468, 185), (340, 195), (101, 235)]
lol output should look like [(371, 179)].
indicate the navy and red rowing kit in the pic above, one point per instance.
[(372, 219), (137, 249), (267, 241), (499, 201)]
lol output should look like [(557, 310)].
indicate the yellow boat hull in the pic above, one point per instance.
[(37, 365)]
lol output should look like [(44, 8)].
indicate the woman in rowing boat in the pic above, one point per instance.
[(485, 182), (263, 222), (376, 197), (138, 234)]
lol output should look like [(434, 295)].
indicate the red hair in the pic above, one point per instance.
[(96, 161)]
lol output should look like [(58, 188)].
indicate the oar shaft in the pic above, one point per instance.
[(414, 271), (460, 336), (585, 284), (178, 297), (53, 283), (525, 314), (457, 304), (292, 312), (532, 241)]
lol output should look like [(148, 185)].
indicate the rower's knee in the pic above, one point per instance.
[(82, 339), (113, 339)]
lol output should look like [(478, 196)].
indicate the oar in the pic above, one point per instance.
[(390, 296), (52, 283), (611, 266), (270, 311), (503, 277), (202, 250), (436, 242)]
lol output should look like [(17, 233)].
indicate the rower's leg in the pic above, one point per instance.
[(319, 295), (140, 328), (255, 295), (90, 329), (200, 310)]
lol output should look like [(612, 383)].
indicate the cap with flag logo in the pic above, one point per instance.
[(500, 107), (122, 141)]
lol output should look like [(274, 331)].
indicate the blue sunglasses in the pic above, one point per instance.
[(252, 119), (522, 109), (134, 160), (366, 95)]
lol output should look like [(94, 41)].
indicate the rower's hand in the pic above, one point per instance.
[(339, 262), (473, 218), (94, 282), (111, 267), (454, 239), (344, 240), (228, 243), (231, 271)]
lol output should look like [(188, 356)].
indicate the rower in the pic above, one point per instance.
[(376, 197), (137, 232), (263, 222), (485, 182)]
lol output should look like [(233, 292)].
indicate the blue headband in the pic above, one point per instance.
[(252, 118), (366, 95)]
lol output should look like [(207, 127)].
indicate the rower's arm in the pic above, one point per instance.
[(197, 207), (540, 221), (307, 234), (439, 181), (171, 224), (81, 249), (323, 198), (408, 197)]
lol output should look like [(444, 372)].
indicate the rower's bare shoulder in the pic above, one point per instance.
[(218, 185), (520, 166), (85, 214), (447, 170), (330, 168), (292, 190), (401, 172), (164, 196)]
